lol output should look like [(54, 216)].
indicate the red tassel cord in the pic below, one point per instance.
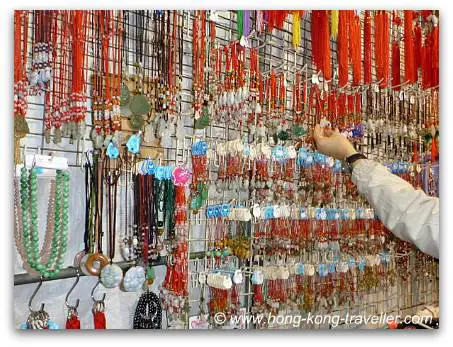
[(342, 105), (99, 320), (356, 50), (415, 153), (396, 62), (396, 55), (73, 322), (382, 47), (417, 47), (435, 55), (342, 42), (321, 42), (430, 58), (427, 63), (275, 18), (434, 150), (358, 103), (332, 107), (410, 75), (367, 48), (351, 104)]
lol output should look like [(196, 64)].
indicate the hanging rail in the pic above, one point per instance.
[(71, 272)]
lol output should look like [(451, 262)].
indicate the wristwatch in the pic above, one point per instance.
[(352, 159)]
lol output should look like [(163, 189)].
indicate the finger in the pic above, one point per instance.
[(317, 133)]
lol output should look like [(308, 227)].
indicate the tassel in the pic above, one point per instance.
[(382, 47), (280, 18), (73, 322), (367, 48), (435, 56), (275, 19), (246, 23), (415, 153), (99, 320), (430, 58), (358, 104), (434, 150), (396, 62), (426, 63), (342, 43), (321, 42), (334, 24), (296, 29), (356, 50), (240, 22), (409, 64), (259, 21), (396, 54), (417, 47)]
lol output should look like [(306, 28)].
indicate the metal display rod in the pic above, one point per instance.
[(70, 272)]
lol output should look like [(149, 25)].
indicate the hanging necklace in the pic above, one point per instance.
[(94, 261), (29, 218), (18, 235), (148, 313), (78, 98), (20, 104), (111, 275)]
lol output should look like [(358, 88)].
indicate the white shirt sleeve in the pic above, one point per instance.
[(408, 213)]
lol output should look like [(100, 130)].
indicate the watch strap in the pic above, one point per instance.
[(352, 159)]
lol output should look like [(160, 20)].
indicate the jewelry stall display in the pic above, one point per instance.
[(173, 152)]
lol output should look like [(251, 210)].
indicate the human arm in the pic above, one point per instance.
[(408, 213)]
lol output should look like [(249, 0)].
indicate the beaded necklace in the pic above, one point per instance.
[(18, 234), (48, 268), (148, 313), (381, 21), (20, 80)]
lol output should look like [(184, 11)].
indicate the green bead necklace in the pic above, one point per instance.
[(29, 209)]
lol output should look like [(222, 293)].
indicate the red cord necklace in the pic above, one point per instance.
[(367, 48), (382, 47)]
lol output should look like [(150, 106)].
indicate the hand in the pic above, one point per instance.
[(332, 143)]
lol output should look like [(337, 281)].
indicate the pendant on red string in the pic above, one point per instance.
[(99, 315), (72, 321)]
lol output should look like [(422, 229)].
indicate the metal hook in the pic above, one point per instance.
[(33, 296), (92, 294), (70, 291)]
